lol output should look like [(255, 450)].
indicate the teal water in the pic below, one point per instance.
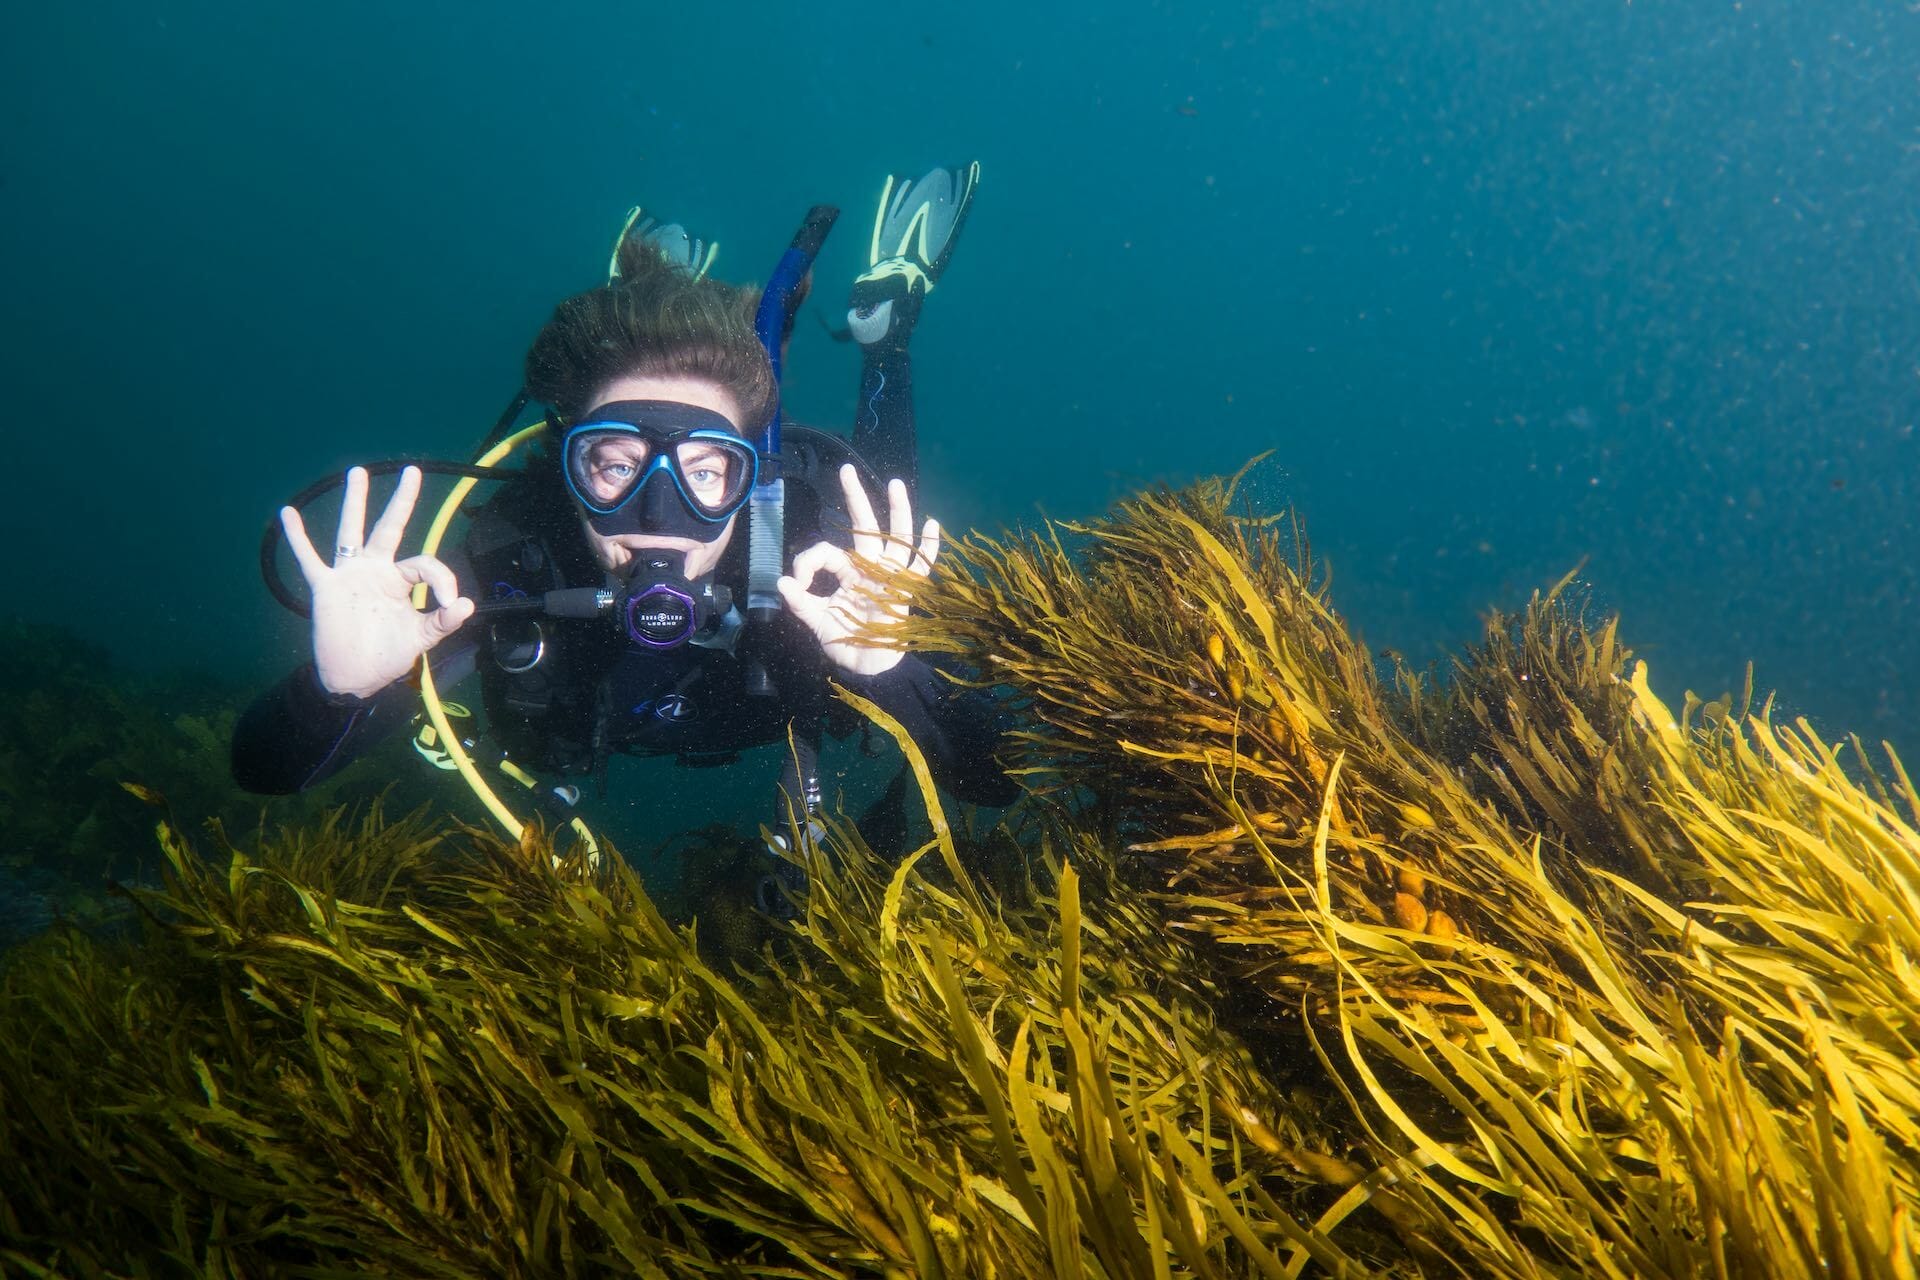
[(1505, 285)]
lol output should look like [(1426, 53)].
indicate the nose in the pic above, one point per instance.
[(658, 499)]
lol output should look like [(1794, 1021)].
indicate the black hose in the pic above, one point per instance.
[(271, 538), (504, 423)]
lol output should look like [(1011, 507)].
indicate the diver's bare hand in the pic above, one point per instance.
[(366, 632), (862, 603)]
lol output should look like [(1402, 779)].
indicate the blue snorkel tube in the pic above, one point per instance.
[(767, 508)]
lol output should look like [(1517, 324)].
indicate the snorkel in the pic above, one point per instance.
[(767, 508)]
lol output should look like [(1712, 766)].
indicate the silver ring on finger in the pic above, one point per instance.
[(345, 552)]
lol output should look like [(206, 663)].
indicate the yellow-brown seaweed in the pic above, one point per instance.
[(1289, 972)]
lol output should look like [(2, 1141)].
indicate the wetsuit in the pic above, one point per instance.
[(592, 693)]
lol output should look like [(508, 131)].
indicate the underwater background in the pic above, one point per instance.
[(1536, 969), (1506, 287)]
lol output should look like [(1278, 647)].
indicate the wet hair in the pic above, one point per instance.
[(652, 319)]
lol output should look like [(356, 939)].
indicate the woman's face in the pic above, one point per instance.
[(617, 552)]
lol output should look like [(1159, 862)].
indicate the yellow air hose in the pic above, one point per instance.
[(436, 712)]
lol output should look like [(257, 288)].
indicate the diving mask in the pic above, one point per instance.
[(658, 467)]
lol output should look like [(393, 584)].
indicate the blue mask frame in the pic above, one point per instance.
[(663, 424)]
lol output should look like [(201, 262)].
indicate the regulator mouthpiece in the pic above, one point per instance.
[(662, 610), (661, 617)]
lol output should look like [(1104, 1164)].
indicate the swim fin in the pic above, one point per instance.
[(671, 240), (914, 231)]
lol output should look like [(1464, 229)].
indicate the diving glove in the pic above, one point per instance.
[(914, 232)]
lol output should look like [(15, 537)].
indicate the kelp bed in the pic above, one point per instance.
[(1284, 967), (72, 727)]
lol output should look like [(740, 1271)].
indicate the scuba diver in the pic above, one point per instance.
[(678, 571)]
